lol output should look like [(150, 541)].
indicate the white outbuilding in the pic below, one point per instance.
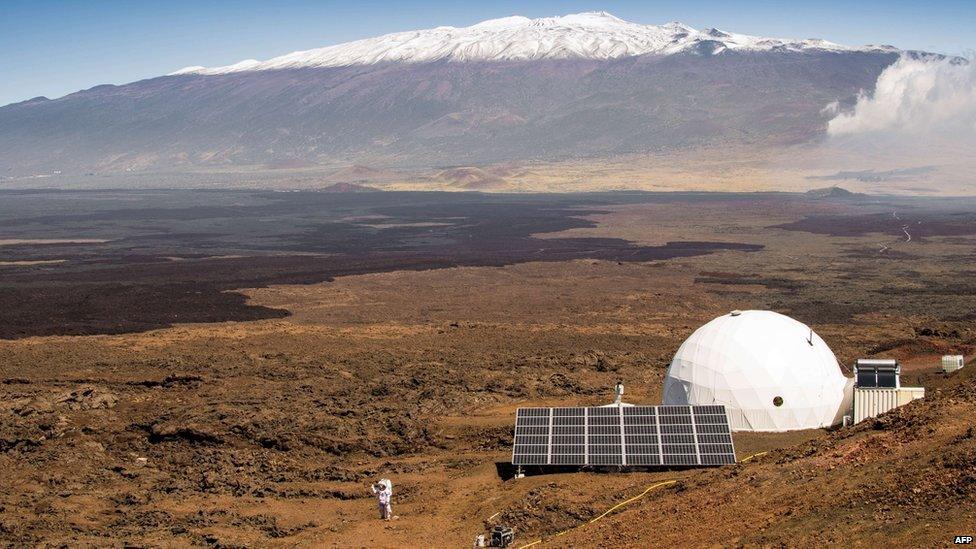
[(771, 372)]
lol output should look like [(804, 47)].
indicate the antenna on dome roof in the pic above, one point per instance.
[(810, 338)]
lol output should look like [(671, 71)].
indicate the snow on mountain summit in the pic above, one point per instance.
[(592, 35)]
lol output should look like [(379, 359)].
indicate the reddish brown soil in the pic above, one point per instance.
[(268, 433)]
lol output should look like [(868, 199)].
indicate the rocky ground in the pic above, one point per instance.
[(269, 432)]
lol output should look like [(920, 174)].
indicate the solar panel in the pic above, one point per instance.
[(645, 436), (877, 373)]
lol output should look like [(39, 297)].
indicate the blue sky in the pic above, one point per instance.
[(53, 48)]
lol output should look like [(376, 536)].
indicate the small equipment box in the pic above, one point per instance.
[(502, 536), (951, 363)]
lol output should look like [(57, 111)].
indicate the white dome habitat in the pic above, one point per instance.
[(771, 372)]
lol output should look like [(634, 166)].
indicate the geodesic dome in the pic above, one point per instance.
[(771, 372)]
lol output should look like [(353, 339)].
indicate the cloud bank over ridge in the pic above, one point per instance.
[(915, 98), (914, 134)]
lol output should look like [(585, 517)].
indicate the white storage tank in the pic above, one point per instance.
[(951, 363)]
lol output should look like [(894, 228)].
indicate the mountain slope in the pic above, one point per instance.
[(442, 108), (593, 35), (906, 478)]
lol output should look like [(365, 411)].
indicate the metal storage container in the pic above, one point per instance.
[(908, 394), (872, 402)]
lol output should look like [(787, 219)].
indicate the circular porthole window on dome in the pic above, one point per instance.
[(777, 401)]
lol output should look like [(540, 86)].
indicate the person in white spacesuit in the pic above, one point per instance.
[(384, 492)]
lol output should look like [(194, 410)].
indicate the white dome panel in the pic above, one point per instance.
[(772, 373)]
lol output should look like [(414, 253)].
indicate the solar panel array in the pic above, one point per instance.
[(876, 373), (623, 435)]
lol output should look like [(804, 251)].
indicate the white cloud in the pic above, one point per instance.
[(915, 97)]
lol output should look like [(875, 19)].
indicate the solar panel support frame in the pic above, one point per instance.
[(660, 439), (623, 440), (586, 436), (552, 412)]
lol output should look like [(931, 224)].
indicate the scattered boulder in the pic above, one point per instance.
[(177, 431), (86, 398)]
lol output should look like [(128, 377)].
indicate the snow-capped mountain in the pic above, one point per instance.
[(593, 35), (511, 89)]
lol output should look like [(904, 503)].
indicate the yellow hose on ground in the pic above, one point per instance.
[(608, 511), (625, 502), (635, 498)]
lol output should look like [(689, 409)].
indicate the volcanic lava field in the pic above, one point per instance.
[(172, 256), (233, 368)]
